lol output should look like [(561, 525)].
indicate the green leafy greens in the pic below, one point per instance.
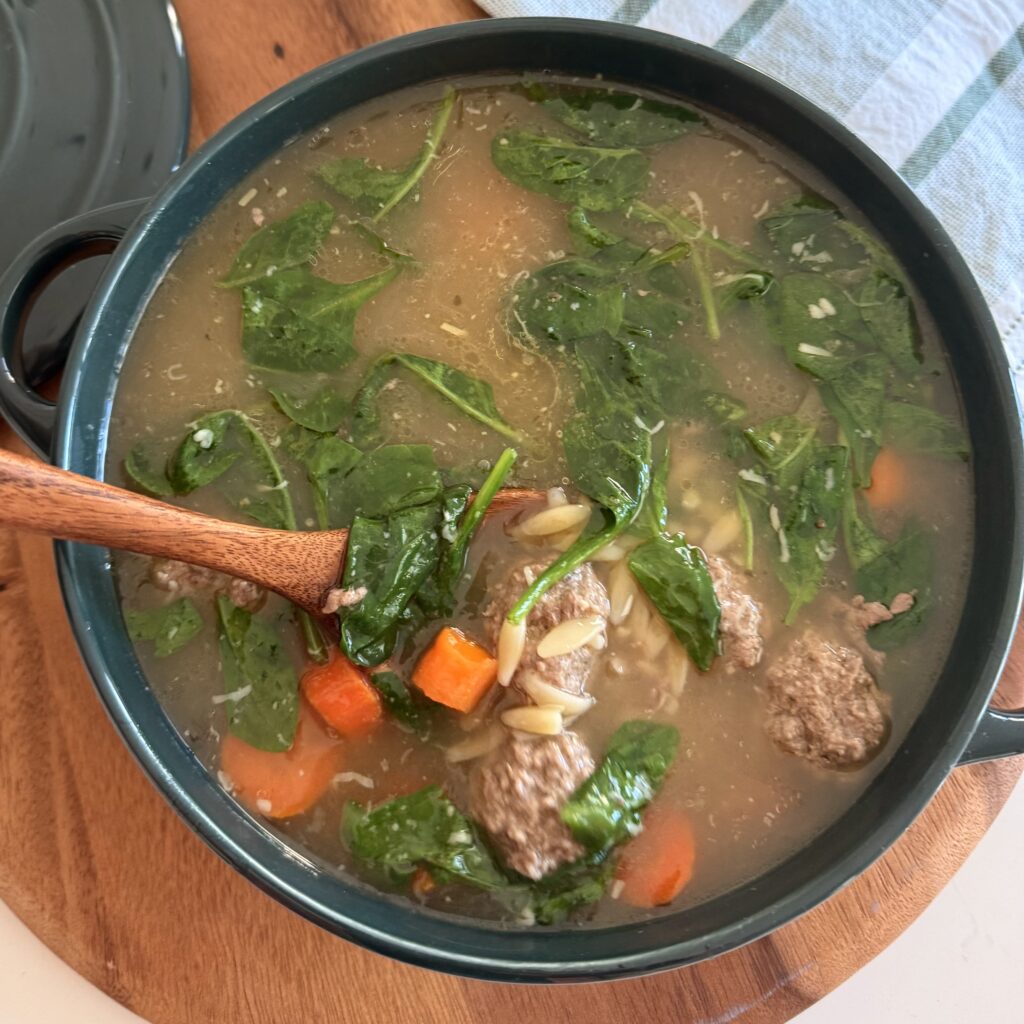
[(169, 627), (471, 395), (287, 243), (608, 454), (606, 808), (595, 178), (229, 440), (608, 118), (378, 190), (423, 828), (675, 577), (262, 688)]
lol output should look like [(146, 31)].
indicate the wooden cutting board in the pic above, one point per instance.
[(94, 861)]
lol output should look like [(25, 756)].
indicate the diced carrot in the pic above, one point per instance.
[(422, 882), (656, 866), (455, 671), (888, 480), (343, 697), (280, 785)]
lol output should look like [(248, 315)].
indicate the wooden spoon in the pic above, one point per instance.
[(300, 566)]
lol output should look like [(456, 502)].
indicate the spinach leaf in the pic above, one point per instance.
[(139, 468), (608, 455), (675, 577), (459, 534), (221, 440), (423, 828), (262, 688), (392, 478), (392, 558), (594, 178), (887, 310), (473, 396), (905, 566), (886, 569), (610, 118), (654, 513), (328, 460), (566, 301), (783, 445), (573, 886), (817, 323), (855, 395), (807, 533), (283, 244), (915, 428), (297, 321), (863, 543), (723, 409), (378, 190), (878, 254), (401, 704), (751, 282), (606, 808), (796, 224), (364, 427), (217, 442), (744, 287), (169, 627), (323, 411), (381, 245), (588, 235)]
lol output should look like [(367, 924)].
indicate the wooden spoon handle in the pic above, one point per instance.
[(43, 499)]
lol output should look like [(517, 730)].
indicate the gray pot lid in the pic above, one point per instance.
[(94, 109)]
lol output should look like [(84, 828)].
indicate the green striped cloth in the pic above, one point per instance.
[(935, 87)]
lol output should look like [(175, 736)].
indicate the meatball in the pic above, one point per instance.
[(824, 705), (579, 595), (517, 794), (740, 625), (184, 580)]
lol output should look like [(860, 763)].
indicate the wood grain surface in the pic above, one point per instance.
[(95, 862)]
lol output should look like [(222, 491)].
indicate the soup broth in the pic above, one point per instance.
[(605, 262)]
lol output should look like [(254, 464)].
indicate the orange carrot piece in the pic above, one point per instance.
[(343, 697), (656, 866), (280, 785), (455, 671), (888, 480)]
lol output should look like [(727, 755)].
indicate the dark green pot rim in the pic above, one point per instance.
[(936, 743)]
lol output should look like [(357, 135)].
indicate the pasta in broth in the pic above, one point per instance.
[(695, 651)]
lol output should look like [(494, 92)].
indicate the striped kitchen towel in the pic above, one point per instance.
[(935, 87)]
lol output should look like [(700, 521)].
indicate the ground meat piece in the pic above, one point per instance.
[(580, 595), (184, 580), (517, 794), (740, 625), (865, 614), (858, 616), (824, 705)]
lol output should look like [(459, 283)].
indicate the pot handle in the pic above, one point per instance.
[(89, 234), (999, 734)]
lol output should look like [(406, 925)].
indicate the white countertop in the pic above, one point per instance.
[(962, 960)]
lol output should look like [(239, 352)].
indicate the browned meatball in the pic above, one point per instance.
[(824, 705), (517, 794), (580, 595), (740, 625), (184, 580)]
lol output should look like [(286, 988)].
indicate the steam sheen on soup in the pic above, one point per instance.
[(722, 608)]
